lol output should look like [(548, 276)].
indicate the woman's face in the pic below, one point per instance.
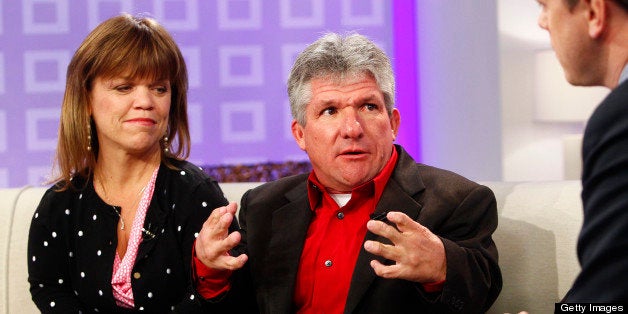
[(131, 115)]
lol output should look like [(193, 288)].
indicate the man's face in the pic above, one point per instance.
[(569, 34), (348, 134)]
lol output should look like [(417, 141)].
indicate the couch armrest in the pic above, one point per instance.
[(17, 295), (8, 201)]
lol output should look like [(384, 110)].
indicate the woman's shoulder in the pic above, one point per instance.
[(184, 175), (188, 181), (58, 199), (187, 172)]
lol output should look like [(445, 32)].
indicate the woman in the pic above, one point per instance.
[(115, 232)]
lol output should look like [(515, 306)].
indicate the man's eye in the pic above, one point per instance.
[(328, 111), (370, 107)]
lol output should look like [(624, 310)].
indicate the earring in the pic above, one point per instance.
[(166, 148), (89, 137)]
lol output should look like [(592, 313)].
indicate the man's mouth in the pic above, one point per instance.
[(353, 152)]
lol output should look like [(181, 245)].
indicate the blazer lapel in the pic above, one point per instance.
[(289, 229), (398, 195)]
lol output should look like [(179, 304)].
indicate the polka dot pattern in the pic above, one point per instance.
[(73, 244)]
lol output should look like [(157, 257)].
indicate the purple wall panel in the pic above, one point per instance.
[(238, 54), (405, 63)]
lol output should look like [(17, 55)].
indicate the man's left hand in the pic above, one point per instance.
[(419, 255)]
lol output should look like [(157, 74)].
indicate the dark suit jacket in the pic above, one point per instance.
[(603, 240), (275, 217)]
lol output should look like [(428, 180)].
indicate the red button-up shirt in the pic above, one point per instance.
[(334, 240)]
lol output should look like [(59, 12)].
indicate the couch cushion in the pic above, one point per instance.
[(536, 239), (19, 296), (8, 216)]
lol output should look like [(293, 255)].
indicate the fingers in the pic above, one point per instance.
[(220, 219), (384, 271), (385, 230), (231, 208), (415, 252), (402, 225), (384, 250), (214, 240), (401, 222), (227, 262)]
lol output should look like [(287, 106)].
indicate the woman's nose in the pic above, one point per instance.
[(144, 98)]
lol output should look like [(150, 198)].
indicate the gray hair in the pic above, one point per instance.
[(336, 57)]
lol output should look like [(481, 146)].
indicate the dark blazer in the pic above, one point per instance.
[(275, 217), (603, 240)]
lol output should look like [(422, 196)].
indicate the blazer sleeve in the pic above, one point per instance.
[(473, 279), (602, 242)]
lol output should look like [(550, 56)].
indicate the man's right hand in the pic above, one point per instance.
[(214, 241)]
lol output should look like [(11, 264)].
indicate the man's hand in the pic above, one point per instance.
[(419, 255), (214, 242)]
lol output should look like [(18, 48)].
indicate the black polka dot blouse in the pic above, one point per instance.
[(72, 245)]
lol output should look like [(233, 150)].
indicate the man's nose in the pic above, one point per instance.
[(352, 124), (542, 20)]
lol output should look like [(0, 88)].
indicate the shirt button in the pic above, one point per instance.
[(340, 215), (328, 263), (136, 275)]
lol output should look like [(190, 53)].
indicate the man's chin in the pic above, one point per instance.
[(356, 179)]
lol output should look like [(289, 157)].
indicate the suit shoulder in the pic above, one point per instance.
[(295, 185), (612, 109), (450, 185), (435, 174)]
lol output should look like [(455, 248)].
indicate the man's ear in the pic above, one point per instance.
[(395, 120), (297, 132), (597, 17)]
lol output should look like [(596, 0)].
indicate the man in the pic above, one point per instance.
[(590, 38), (368, 230)]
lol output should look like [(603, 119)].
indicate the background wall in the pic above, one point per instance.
[(459, 87), (238, 53), (543, 117), (470, 64)]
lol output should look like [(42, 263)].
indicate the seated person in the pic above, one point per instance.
[(368, 230), (115, 233)]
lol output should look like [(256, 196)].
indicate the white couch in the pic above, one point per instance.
[(538, 227)]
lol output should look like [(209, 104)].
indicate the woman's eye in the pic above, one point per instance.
[(123, 88), (161, 89)]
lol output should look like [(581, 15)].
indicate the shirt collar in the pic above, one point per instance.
[(376, 185), (624, 75)]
